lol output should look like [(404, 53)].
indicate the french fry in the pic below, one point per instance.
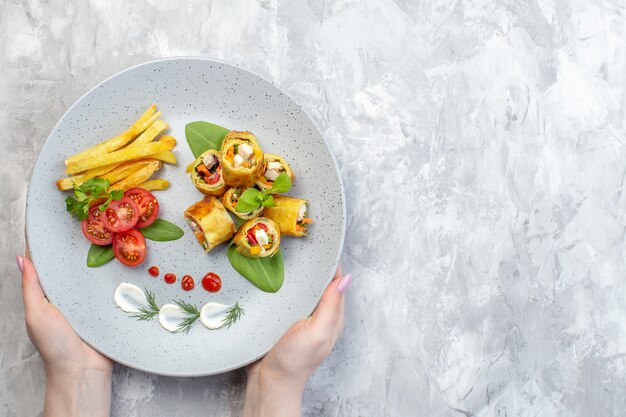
[(138, 177), (125, 170), (129, 153), (144, 121), (156, 184), (151, 133), (64, 184), (167, 156)]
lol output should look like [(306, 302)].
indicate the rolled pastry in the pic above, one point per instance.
[(242, 159), (258, 238), (210, 222), (274, 165), (206, 173), (290, 214), (230, 199)]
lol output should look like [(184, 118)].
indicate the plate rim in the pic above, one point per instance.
[(337, 261)]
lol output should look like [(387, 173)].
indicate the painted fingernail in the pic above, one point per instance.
[(344, 283), (20, 262)]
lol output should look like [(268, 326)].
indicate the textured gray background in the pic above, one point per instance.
[(482, 146)]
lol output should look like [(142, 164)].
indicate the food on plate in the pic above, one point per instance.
[(143, 123), (129, 153), (120, 215), (155, 185), (130, 247), (242, 159), (175, 317), (147, 203), (230, 199), (290, 214), (210, 222), (136, 178), (127, 159), (258, 238), (274, 165), (206, 173), (130, 298), (93, 228)]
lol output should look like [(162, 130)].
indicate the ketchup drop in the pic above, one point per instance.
[(170, 278), (212, 282), (187, 283), (154, 271)]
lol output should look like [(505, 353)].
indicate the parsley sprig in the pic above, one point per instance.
[(252, 199), (87, 192)]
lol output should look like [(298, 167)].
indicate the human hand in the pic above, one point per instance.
[(276, 382), (78, 379)]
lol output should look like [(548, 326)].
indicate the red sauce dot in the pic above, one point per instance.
[(154, 271), (187, 283), (170, 278), (212, 282)]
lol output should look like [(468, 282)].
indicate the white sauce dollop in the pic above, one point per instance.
[(213, 315), (130, 298), (170, 317)]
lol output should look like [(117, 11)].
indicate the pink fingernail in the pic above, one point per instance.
[(344, 283), (20, 262)]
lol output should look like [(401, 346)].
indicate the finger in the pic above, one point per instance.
[(32, 293), (329, 311)]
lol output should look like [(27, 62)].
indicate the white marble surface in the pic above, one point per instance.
[(482, 146)]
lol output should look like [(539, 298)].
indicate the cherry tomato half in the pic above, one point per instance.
[(94, 230), (147, 203), (187, 283), (212, 282), (121, 215), (129, 247)]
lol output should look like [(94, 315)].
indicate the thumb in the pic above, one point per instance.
[(329, 311), (33, 295)]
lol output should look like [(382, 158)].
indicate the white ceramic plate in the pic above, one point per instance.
[(185, 90)]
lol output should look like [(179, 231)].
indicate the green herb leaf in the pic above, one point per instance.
[(84, 194), (191, 315), (267, 274), (269, 201), (99, 255), (153, 308), (232, 315), (202, 136), (281, 185), (162, 231), (249, 201)]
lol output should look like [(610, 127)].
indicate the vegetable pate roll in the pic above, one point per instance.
[(258, 238), (242, 159), (230, 199), (274, 165), (206, 173), (210, 222), (290, 214)]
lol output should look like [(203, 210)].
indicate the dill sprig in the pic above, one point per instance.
[(232, 315), (192, 314), (148, 313)]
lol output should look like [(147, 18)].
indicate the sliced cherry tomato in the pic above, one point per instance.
[(94, 230), (212, 282), (187, 283), (251, 238), (213, 178), (262, 226), (121, 215), (147, 203), (129, 247)]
